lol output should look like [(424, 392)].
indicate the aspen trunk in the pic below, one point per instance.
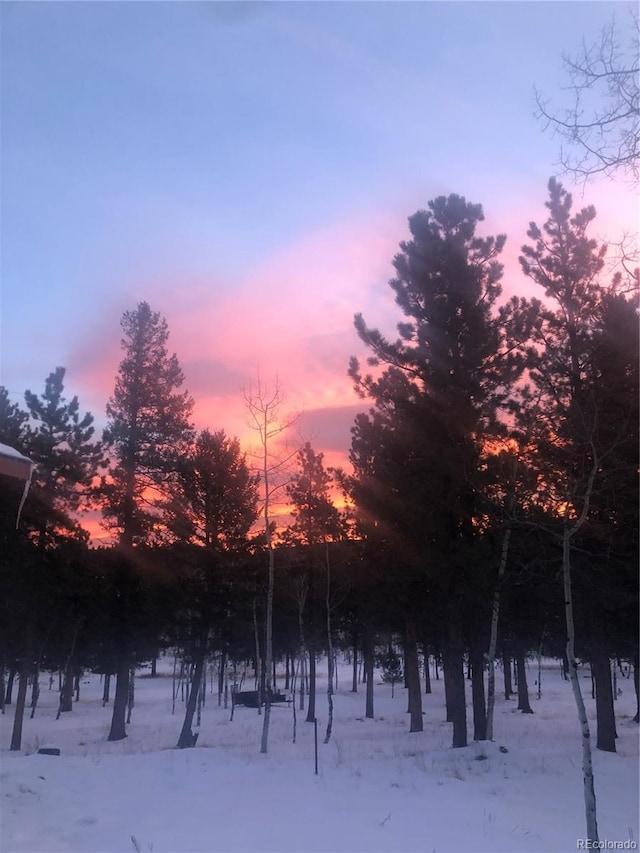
[(256, 642), (493, 639), (311, 645), (636, 685), (268, 652), (131, 696), (311, 694), (2, 684), (354, 671), (330, 661), (587, 764), (303, 678), (301, 598), (221, 671)]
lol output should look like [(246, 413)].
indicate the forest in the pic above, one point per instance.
[(490, 513)]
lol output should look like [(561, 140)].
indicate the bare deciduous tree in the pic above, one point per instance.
[(599, 123), (264, 408)]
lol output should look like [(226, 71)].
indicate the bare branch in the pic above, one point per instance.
[(601, 125)]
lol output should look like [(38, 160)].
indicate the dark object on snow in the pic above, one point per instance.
[(251, 698), (49, 750)]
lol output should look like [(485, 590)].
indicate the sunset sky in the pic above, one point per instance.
[(248, 169)]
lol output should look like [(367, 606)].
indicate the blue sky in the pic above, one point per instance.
[(248, 168)]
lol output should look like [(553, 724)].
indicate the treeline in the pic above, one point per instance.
[(492, 510)]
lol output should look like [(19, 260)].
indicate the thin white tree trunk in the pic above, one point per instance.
[(330, 659), (587, 762), (302, 597), (268, 655), (495, 610), (256, 639), (268, 652), (174, 688), (539, 694), (263, 414), (294, 684), (303, 678)]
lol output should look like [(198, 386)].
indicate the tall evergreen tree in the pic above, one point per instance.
[(573, 431), (213, 507), (59, 440), (67, 460), (148, 429), (13, 421), (448, 377), (388, 464), (148, 425), (612, 579), (214, 500)]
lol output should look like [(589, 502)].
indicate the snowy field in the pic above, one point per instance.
[(378, 787)]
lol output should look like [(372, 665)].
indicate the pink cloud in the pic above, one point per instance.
[(291, 316)]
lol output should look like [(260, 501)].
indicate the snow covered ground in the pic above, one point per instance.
[(378, 788)]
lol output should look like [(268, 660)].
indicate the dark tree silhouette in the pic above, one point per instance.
[(148, 426), (316, 523), (213, 505), (447, 378), (148, 430), (572, 432), (214, 499), (67, 460)]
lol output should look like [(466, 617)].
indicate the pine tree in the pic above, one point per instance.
[(447, 379), (67, 460), (214, 498), (611, 580), (573, 432), (392, 673), (13, 422), (212, 508), (59, 440), (148, 425), (148, 429)]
